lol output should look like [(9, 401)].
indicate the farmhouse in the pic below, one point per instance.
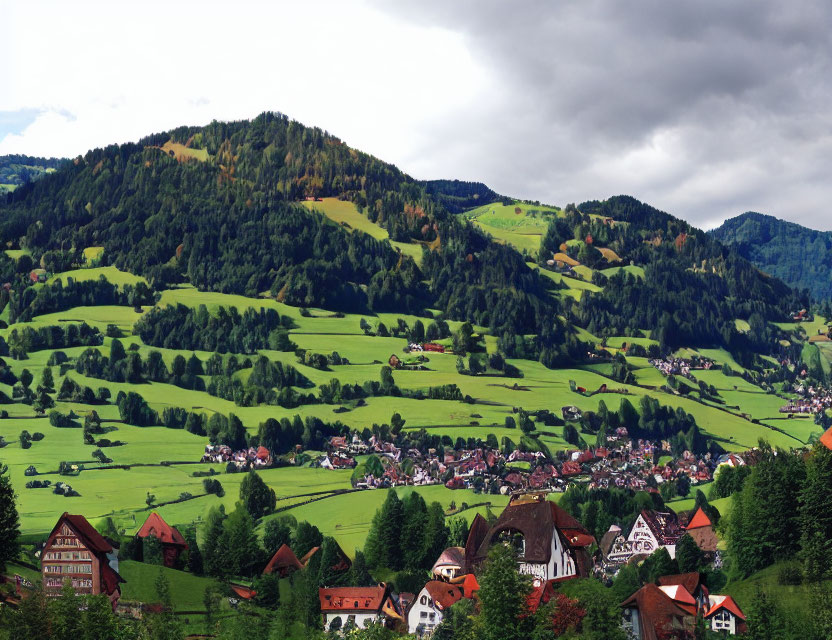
[(77, 551), (430, 605), (357, 605), (172, 541), (655, 529), (701, 529), (651, 613), (550, 543)]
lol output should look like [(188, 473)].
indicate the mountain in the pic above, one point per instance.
[(799, 256), (220, 207), (16, 170)]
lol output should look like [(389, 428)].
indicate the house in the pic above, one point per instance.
[(283, 562), (335, 461), (430, 605), (551, 544), (655, 529), (77, 551), (357, 605), (432, 346), (38, 275), (173, 543), (571, 413), (651, 613), (449, 566), (725, 615), (701, 529)]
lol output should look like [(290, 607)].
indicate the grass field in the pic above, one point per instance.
[(181, 152), (110, 273), (518, 224), (346, 214)]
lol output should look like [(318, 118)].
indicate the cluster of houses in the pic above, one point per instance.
[(623, 463), (812, 400), (680, 367), (552, 547), (245, 459)]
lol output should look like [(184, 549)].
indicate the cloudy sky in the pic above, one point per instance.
[(703, 109)]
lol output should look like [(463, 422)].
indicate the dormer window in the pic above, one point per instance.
[(515, 539)]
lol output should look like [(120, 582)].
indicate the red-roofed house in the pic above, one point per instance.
[(77, 551), (692, 583), (702, 531), (359, 605), (430, 605), (726, 615), (826, 438), (172, 541)]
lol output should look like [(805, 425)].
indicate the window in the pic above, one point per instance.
[(423, 600)]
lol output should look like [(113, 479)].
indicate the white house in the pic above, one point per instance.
[(357, 605), (653, 530), (430, 605), (725, 615)]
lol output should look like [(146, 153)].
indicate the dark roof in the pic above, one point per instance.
[(664, 525), (656, 609), (444, 595), (476, 534), (353, 598), (689, 581), (537, 519), (93, 540), (283, 560)]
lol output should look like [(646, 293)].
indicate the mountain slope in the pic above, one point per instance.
[(797, 255), (16, 170)]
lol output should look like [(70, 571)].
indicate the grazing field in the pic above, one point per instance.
[(520, 225), (112, 274), (182, 152), (633, 270)]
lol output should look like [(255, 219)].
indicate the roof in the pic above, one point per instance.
[(705, 538), (262, 453), (608, 539), (679, 594), (443, 594), (352, 598), (452, 556), (728, 604), (664, 525), (826, 438), (470, 585), (156, 526), (284, 558), (655, 609), (699, 519), (110, 579), (476, 534), (690, 581), (93, 540), (308, 555), (537, 518)]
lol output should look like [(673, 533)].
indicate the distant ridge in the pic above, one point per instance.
[(799, 256)]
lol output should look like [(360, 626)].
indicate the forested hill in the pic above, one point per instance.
[(220, 207), (797, 255), (16, 170)]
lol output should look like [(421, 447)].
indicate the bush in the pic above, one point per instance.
[(789, 574)]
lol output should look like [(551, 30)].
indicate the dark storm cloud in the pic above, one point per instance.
[(705, 109)]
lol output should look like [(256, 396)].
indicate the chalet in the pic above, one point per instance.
[(651, 613), (433, 600), (693, 584), (551, 544), (357, 606), (725, 615), (655, 529), (335, 461), (172, 541), (449, 566), (77, 551), (701, 529)]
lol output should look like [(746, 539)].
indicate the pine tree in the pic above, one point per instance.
[(257, 497), (327, 575), (765, 621), (306, 537), (99, 621), (688, 554), (64, 613), (239, 543), (412, 537), (9, 520), (212, 551), (194, 561), (277, 534), (359, 576), (503, 594)]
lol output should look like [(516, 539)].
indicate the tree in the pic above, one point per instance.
[(306, 537), (330, 557), (382, 545), (816, 512), (602, 619), (359, 575), (688, 554), (9, 520), (194, 559), (26, 378), (31, 620), (626, 582), (765, 620), (256, 496), (47, 382), (277, 533), (458, 532), (212, 551), (658, 564), (164, 625), (99, 621), (241, 552), (64, 613), (503, 596)]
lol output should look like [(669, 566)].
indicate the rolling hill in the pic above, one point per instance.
[(797, 255)]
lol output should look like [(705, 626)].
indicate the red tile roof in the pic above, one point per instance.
[(826, 438), (690, 581), (470, 585), (156, 526), (699, 519), (656, 610), (352, 598), (444, 595), (730, 605)]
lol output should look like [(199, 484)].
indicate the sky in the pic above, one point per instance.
[(704, 109)]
